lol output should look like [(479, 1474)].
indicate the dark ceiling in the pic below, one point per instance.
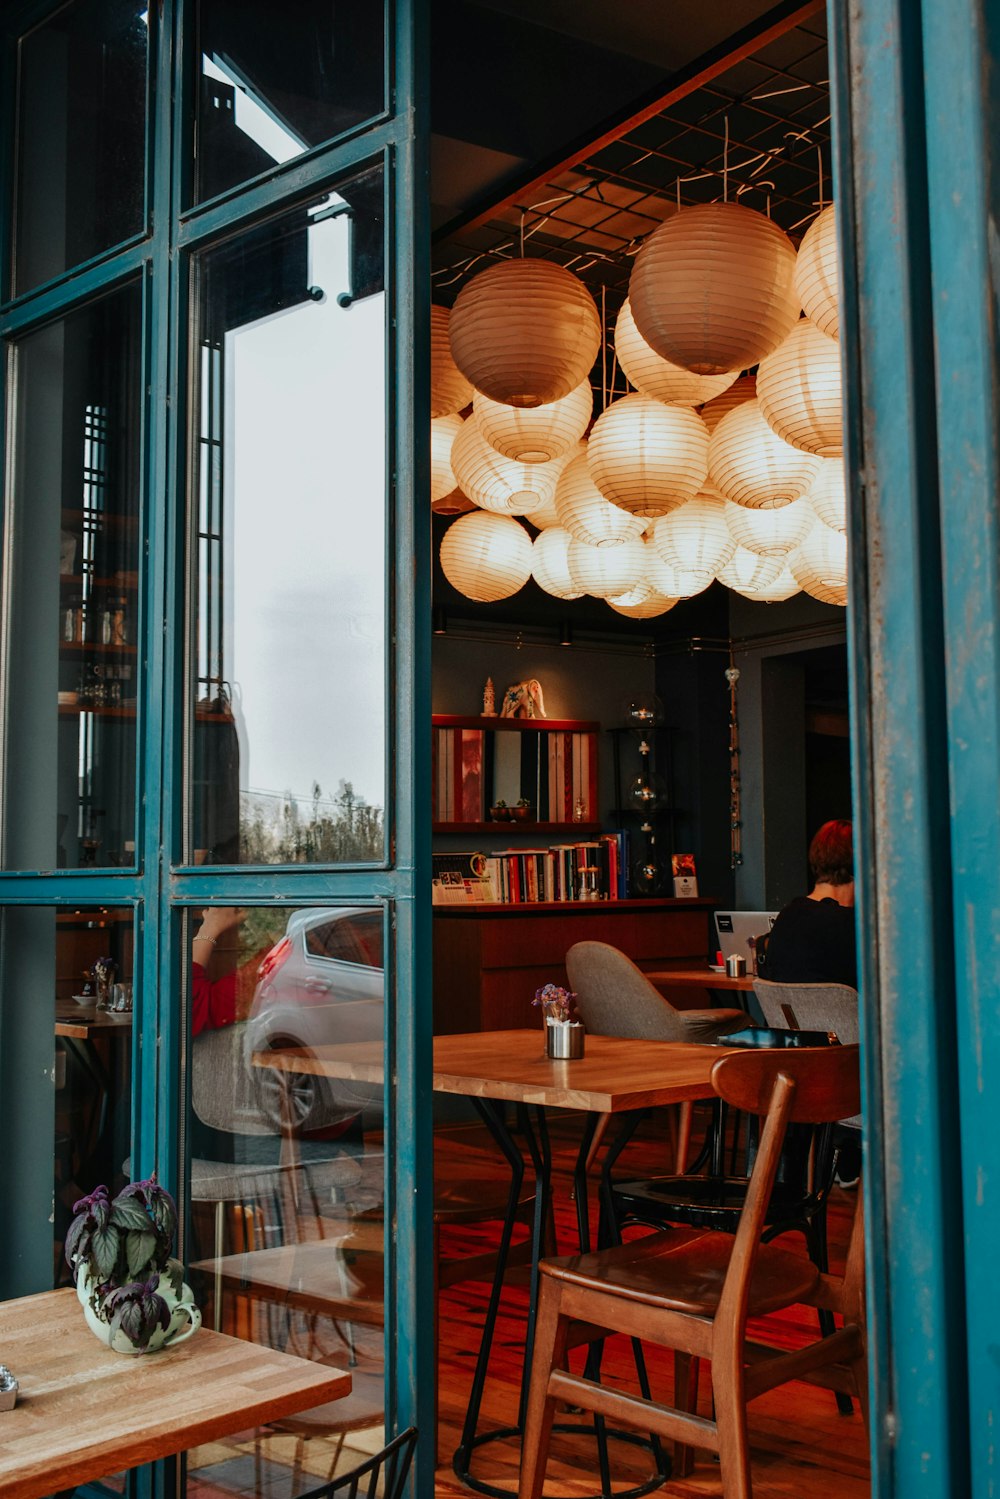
[(580, 124)]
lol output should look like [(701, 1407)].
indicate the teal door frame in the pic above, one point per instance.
[(162, 888), (915, 110)]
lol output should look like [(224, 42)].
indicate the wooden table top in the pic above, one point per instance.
[(612, 1077), (84, 1412), (82, 1021), (330, 1277), (699, 977)]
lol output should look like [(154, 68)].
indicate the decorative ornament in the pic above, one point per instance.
[(771, 533), (817, 272), (444, 430), (732, 675), (657, 377), (753, 466), (496, 483), (486, 557), (646, 457), (537, 434), (712, 290), (525, 332), (489, 699), (745, 389), (820, 565), (550, 563), (605, 571), (450, 391), (586, 514), (827, 494), (694, 538), (798, 390)]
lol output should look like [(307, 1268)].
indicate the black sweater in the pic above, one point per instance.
[(812, 942)]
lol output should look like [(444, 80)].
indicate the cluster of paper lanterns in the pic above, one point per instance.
[(702, 472)]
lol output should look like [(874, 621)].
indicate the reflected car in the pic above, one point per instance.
[(320, 985)]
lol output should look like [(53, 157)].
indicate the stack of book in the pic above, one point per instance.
[(594, 869), (554, 771)]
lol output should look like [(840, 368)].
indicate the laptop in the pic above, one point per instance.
[(732, 928)]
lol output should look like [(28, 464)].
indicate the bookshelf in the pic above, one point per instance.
[(549, 764)]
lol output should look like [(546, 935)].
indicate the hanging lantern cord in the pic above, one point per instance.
[(735, 787)]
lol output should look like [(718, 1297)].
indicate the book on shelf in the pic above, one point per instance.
[(593, 868), (474, 769)]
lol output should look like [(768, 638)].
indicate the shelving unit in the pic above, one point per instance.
[(556, 766), (651, 829)]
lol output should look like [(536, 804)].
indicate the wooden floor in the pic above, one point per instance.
[(801, 1447)]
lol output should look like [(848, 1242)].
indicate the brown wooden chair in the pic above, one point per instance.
[(694, 1291)]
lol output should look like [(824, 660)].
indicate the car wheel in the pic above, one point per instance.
[(296, 1099)]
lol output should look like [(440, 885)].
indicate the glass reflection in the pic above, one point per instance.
[(81, 133), (286, 1186), (288, 725), (71, 642), (268, 93)]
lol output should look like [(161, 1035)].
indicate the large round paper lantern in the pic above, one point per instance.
[(444, 430), (820, 565), (711, 288), (450, 391), (695, 537), (525, 332), (536, 434), (586, 514), (744, 389), (783, 587), (753, 466), (550, 563), (770, 533), (646, 607), (604, 571), (496, 483), (798, 390), (670, 581), (647, 457), (827, 494), (746, 572), (657, 377), (486, 557), (817, 273)]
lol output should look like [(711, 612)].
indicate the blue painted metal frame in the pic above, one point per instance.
[(161, 889)]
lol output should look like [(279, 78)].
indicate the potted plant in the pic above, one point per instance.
[(500, 812), (563, 1033), (522, 809), (131, 1289)]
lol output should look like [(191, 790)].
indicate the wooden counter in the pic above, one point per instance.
[(489, 960)]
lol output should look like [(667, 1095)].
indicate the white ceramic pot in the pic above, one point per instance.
[(185, 1318)]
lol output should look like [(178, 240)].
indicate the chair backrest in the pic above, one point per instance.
[(615, 998), (810, 1007), (222, 1089), (384, 1474)]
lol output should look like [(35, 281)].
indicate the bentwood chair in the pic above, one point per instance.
[(383, 1475), (694, 1291)]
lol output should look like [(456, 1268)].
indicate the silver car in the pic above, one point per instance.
[(320, 985)]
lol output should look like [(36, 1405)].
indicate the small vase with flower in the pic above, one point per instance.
[(563, 1032)]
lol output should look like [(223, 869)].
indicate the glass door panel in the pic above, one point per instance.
[(66, 976), (287, 727), (285, 1138), (72, 658)]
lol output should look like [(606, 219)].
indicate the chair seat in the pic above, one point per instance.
[(713, 1202), (709, 1025), (684, 1271)]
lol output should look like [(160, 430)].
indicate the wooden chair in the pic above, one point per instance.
[(384, 1474), (693, 1292)]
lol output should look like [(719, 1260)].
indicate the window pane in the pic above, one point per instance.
[(65, 1076), (71, 653), (270, 92), (288, 631), (286, 1188), (81, 132)]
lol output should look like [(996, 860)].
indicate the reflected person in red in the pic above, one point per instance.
[(223, 1001)]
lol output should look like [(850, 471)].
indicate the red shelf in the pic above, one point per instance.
[(506, 828)]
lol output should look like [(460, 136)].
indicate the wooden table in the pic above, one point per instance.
[(84, 1412), (697, 977), (83, 1022), (615, 1076)]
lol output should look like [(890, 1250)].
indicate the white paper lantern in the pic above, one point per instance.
[(744, 389), (827, 494), (444, 430), (539, 433), (645, 608), (817, 273), (550, 563), (783, 587), (753, 466), (746, 572), (496, 483), (711, 288), (695, 537), (820, 565), (586, 514), (657, 377), (450, 391), (486, 557), (770, 533), (798, 390), (604, 571), (525, 332), (647, 457)]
